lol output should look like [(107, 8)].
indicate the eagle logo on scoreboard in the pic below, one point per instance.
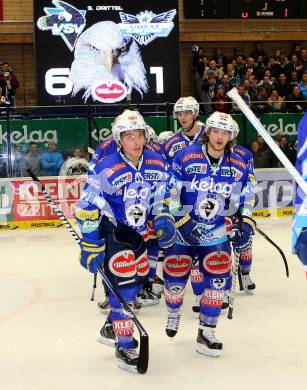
[(65, 20)]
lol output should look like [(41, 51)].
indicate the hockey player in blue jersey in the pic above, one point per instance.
[(299, 227), (147, 296), (186, 111), (246, 257), (209, 179), (123, 191)]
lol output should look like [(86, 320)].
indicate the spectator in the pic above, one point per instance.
[(296, 101), (249, 65), (303, 59), (276, 103), (259, 67), (259, 51), (294, 65), (275, 68), (234, 79), (220, 59), (260, 158), (267, 84), (75, 165), (8, 83), (303, 84), (251, 86), (209, 87), (293, 79), (226, 83), (269, 155), (245, 96), (202, 66), (239, 64), (295, 50), (32, 160), (286, 147), (283, 60), (213, 68), (52, 160), (220, 101), (260, 106), (282, 86)]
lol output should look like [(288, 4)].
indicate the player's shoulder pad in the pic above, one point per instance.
[(170, 142), (237, 161), (153, 159), (190, 153), (242, 151)]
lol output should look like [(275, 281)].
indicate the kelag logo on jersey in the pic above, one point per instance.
[(65, 20), (146, 26)]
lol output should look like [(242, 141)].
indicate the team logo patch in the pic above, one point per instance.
[(136, 214), (218, 283), (218, 262), (122, 264), (142, 265), (174, 294), (177, 265), (208, 208)]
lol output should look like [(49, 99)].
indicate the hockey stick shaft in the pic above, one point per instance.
[(144, 340), (234, 95), (235, 270), (277, 247)]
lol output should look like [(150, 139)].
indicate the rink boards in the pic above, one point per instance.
[(22, 205)]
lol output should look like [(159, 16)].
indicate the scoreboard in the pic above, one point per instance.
[(245, 9)]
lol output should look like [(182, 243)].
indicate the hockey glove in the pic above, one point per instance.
[(241, 234), (92, 254), (189, 232), (301, 246), (164, 227)]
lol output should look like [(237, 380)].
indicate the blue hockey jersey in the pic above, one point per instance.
[(209, 192), (300, 216), (117, 189), (180, 141)]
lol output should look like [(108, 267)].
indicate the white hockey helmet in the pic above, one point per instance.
[(151, 133), (236, 130), (164, 136), (188, 103), (128, 120), (223, 121)]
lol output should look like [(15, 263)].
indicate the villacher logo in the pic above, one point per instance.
[(65, 20)]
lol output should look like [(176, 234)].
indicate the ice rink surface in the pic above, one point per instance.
[(49, 326)]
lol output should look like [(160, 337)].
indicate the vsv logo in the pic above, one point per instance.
[(65, 21)]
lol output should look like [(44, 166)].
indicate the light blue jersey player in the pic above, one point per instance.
[(212, 182), (299, 226)]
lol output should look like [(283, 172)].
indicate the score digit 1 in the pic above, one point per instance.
[(158, 71)]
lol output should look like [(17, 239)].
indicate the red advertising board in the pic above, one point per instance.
[(1, 9), (28, 207)]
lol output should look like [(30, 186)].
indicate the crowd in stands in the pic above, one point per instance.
[(50, 162), (276, 83), (8, 85)]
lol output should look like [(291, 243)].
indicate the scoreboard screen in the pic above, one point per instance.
[(245, 9), (97, 51)]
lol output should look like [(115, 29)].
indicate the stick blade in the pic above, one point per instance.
[(142, 365)]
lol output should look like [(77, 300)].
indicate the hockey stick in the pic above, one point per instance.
[(234, 95), (235, 269), (144, 340), (276, 246)]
